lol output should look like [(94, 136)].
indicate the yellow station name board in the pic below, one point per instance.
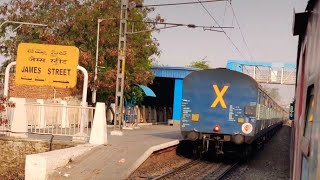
[(47, 65)]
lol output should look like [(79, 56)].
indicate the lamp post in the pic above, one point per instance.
[(94, 92), (20, 24)]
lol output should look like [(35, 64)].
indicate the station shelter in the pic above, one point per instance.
[(168, 87)]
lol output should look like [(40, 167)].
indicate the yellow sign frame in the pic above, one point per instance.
[(47, 65)]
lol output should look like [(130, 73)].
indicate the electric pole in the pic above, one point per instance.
[(119, 100), (121, 68)]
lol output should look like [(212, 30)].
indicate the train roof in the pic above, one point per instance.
[(259, 86)]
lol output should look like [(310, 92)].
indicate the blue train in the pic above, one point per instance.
[(227, 111)]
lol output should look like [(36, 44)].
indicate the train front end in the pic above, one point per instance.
[(218, 105)]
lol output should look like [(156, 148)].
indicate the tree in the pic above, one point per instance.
[(273, 93), (74, 22), (5, 106), (200, 64)]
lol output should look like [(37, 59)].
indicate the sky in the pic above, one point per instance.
[(266, 26)]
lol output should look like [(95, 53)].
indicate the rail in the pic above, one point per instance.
[(215, 171), (59, 119), (221, 171), (178, 169)]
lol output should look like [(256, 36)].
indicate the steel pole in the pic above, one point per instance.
[(6, 79), (121, 65), (94, 93), (84, 98)]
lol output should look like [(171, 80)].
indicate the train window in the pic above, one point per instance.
[(309, 116), (261, 98), (266, 102)]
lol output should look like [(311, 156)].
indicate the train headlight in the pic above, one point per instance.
[(216, 128)]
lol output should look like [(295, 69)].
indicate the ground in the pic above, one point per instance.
[(270, 163)]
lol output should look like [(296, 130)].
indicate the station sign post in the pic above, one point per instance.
[(47, 65)]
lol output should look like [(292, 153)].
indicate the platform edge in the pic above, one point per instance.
[(147, 153)]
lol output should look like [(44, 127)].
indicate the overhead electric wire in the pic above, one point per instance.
[(221, 28), (245, 42), (224, 13), (176, 4), (179, 24)]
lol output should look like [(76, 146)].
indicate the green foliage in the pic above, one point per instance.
[(74, 22), (137, 93), (200, 64), (273, 93), (4, 65)]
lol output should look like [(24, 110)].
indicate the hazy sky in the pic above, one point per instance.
[(266, 25)]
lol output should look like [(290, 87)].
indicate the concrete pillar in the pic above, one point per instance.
[(177, 101), (138, 115), (64, 115), (144, 114), (149, 114), (19, 126), (154, 110), (98, 134), (165, 114), (41, 114), (109, 115)]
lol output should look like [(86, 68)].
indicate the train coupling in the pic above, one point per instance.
[(218, 145)]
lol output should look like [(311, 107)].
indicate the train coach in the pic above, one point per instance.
[(305, 144), (226, 111)]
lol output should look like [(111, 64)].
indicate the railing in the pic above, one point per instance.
[(6, 119), (270, 75), (59, 119)]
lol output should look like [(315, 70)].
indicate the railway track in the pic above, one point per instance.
[(198, 169), (177, 170), (221, 171)]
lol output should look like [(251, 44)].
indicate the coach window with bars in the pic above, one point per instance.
[(308, 119), (309, 113)]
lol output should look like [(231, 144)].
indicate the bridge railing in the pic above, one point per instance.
[(59, 119)]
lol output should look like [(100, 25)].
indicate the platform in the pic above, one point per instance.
[(122, 155)]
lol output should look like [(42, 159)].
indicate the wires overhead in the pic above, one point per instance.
[(222, 29), (176, 4), (244, 40), (168, 25), (225, 10), (211, 28), (180, 24)]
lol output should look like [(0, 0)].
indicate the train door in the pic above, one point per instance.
[(257, 129), (296, 174), (307, 131)]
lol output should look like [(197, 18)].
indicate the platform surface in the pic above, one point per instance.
[(122, 154)]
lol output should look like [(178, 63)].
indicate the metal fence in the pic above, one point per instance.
[(59, 119), (6, 117)]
